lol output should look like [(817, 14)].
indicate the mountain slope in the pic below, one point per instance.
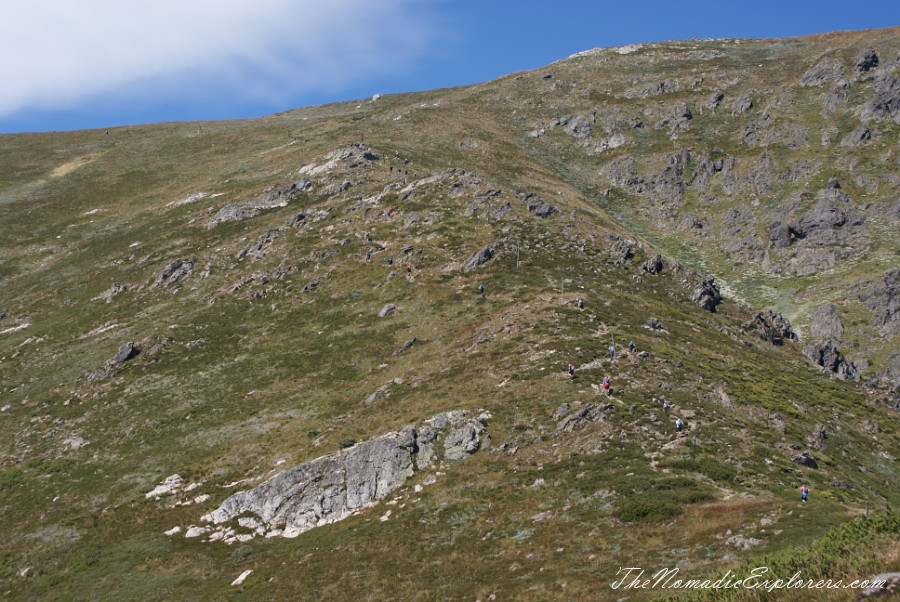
[(196, 299)]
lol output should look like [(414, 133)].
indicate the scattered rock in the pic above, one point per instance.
[(780, 234), (654, 265), (885, 102), (742, 543), (858, 137), (583, 416), (741, 105), (885, 583), (537, 205), (823, 72), (882, 298), (125, 353), (246, 573), (406, 346), (174, 272), (865, 62), (620, 252), (311, 286), (825, 354), (676, 118), (655, 324), (804, 459), (826, 324), (106, 295), (770, 326), (279, 197), (387, 310), (411, 219), (712, 102), (168, 486), (258, 249), (478, 258), (706, 294)]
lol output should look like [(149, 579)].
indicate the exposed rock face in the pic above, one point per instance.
[(741, 105), (125, 353), (770, 326), (825, 354), (823, 72), (581, 417), (826, 324), (706, 294), (780, 235), (858, 137), (654, 265), (664, 186), (406, 346), (865, 62), (676, 118), (579, 126), (883, 300), (804, 459), (620, 252), (279, 197), (174, 272), (885, 102), (537, 205), (712, 102), (831, 221), (478, 258), (258, 249), (333, 487)]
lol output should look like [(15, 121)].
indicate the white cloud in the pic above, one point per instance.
[(57, 52)]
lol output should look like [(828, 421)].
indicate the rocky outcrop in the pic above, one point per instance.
[(706, 294), (804, 459), (882, 298), (826, 355), (333, 487), (279, 197), (620, 252), (826, 324), (258, 249), (780, 234), (858, 137), (885, 102), (480, 257), (865, 62), (676, 118), (537, 205), (174, 272), (770, 326), (713, 100), (824, 71), (388, 310), (741, 105), (654, 265), (831, 221)]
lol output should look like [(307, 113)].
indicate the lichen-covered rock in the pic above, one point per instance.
[(823, 72), (332, 487), (620, 252), (865, 62), (770, 326), (804, 459), (478, 258), (174, 272), (654, 265)]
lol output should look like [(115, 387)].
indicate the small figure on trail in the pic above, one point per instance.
[(612, 352), (360, 197), (804, 493), (390, 261), (390, 211), (397, 154), (666, 407), (366, 236), (580, 303), (630, 346), (571, 371), (606, 385), (679, 425), (368, 255), (481, 288), (409, 268), (406, 161)]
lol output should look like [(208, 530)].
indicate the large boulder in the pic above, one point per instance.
[(479, 257), (706, 294), (770, 326), (826, 324), (865, 62)]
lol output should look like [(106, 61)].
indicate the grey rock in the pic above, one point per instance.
[(676, 118), (706, 294), (125, 353), (479, 257), (865, 62), (426, 437), (770, 326), (620, 252), (579, 126), (387, 310), (882, 298), (884, 583), (174, 272), (741, 105), (463, 440), (825, 354), (858, 137), (561, 411), (583, 416), (654, 324), (279, 197), (654, 265), (885, 102), (370, 156), (780, 235), (538, 206), (311, 286), (804, 459), (823, 72), (406, 346), (826, 323), (411, 219), (258, 249), (712, 102)]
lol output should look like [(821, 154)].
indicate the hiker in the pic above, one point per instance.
[(390, 261), (804, 493), (360, 198), (666, 407), (606, 384), (368, 255), (571, 371), (390, 211), (612, 352), (409, 268), (406, 161), (366, 236), (481, 288), (630, 346), (678, 425), (580, 303)]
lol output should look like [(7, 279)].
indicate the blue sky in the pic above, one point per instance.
[(74, 64)]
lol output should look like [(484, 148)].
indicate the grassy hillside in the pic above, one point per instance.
[(257, 343)]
